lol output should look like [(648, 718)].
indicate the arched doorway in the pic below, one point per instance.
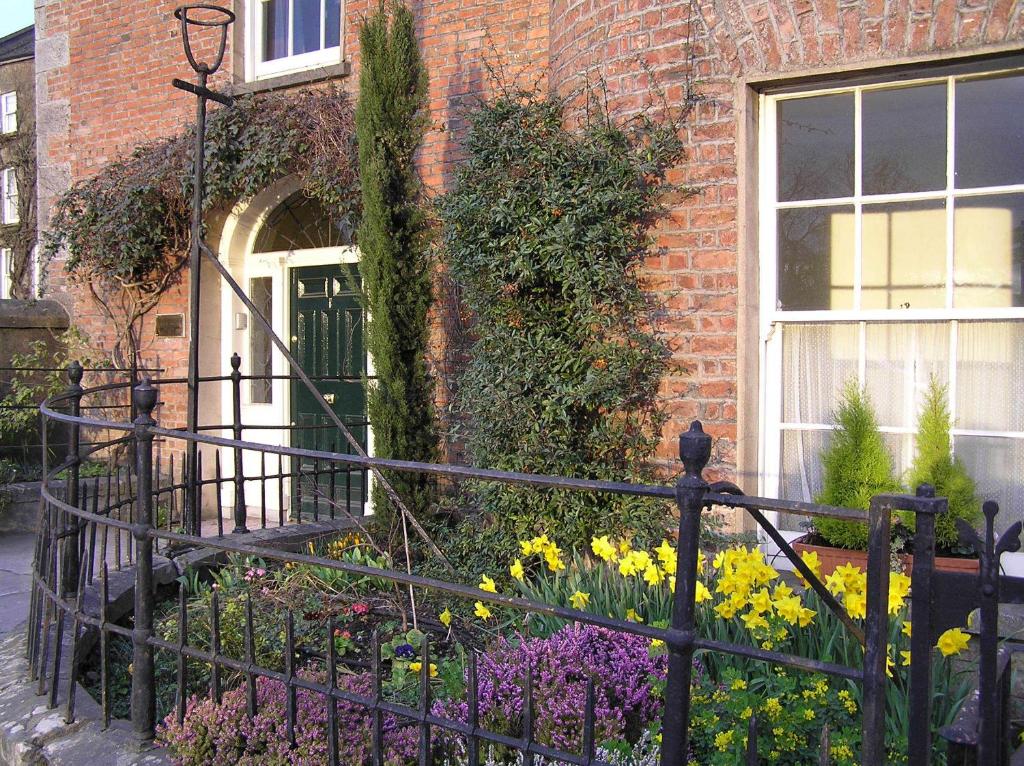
[(298, 264)]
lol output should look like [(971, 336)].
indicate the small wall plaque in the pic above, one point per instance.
[(170, 325)]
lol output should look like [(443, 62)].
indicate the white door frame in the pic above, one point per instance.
[(235, 252)]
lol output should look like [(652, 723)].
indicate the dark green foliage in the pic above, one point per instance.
[(935, 465), (126, 229), (130, 222), (857, 466), (394, 261), (544, 230)]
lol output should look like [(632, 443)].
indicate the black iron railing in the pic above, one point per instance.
[(119, 522)]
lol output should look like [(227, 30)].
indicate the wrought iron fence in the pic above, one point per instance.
[(121, 521)]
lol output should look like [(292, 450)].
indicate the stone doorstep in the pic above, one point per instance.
[(32, 734)]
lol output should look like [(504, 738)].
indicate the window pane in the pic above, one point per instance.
[(997, 465), (990, 131), (301, 223), (306, 26), (904, 139), (901, 359), (275, 29), (817, 361), (815, 147), (816, 258), (801, 464), (903, 255), (332, 26), (260, 358), (988, 259), (990, 376)]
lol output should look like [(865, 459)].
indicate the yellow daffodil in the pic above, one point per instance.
[(789, 609), (446, 617), (806, 617), (526, 547), (482, 611), (761, 601), (653, 575), (702, 594), (835, 583), (632, 616), (907, 628), (856, 605), (603, 548), (666, 553), (782, 591), (516, 570), (899, 587), (810, 558), (753, 621), (953, 641), (553, 558), (579, 600), (487, 584), (905, 654)]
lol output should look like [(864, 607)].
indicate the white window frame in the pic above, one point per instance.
[(5, 272), (9, 112), (257, 69), (9, 192), (772, 320)]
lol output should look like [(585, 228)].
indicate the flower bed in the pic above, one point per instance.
[(741, 599)]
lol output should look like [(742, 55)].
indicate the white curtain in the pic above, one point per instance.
[(897, 360)]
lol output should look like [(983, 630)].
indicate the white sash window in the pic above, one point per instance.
[(892, 245)]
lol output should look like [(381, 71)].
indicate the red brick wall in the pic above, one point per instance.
[(122, 56), (116, 82), (724, 43)]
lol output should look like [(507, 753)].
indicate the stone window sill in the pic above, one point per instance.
[(293, 79)]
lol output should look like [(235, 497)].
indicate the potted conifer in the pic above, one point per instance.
[(935, 464), (857, 466)]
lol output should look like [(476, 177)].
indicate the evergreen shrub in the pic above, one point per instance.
[(856, 466), (935, 464), (545, 229), (394, 253)]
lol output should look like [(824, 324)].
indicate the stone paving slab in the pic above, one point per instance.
[(33, 735), (15, 578)]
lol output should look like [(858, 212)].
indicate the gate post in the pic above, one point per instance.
[(876, 632), (69, 531), (143, 686), (691, 490), (236, 433), (925, 507)]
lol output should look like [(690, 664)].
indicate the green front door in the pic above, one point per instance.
[(327, 340)]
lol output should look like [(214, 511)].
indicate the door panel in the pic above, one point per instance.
[(327, 340)]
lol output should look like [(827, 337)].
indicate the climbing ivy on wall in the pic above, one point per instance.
[(125, 230), (545, 230), (394, 255)]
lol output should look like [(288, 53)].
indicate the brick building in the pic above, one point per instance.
[(19, 272), (860, 166)]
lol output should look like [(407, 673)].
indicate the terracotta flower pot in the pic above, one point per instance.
[(831, 558)]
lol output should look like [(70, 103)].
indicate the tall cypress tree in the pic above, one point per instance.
[(391, 121)]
